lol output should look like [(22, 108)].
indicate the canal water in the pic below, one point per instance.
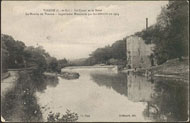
[(101, 94)]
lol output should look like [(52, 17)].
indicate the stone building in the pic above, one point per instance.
[(139, 54)]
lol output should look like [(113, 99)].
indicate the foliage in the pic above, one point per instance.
[(106, 55), (16, 55), (62, 63), (20, 103), (52, 64), (5, 55), (15, 51), (35, 58), (68, 117), (170, 33)]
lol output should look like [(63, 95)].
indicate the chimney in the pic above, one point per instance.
[(146, 23)]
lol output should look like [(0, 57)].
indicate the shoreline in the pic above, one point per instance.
[(172, 69), (163, 76)]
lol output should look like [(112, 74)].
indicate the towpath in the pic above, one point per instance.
[(8, 83)]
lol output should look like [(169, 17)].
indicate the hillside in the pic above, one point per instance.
[(78, 62)]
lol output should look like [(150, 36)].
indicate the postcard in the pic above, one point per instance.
[(94, 61)]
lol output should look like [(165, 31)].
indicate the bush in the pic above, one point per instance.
[(68, 117)]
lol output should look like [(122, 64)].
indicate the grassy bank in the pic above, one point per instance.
[(20, 103), (171, 69)]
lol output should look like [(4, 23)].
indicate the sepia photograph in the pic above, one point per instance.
[(95, 61)]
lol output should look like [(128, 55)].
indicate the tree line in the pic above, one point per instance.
[(15, 54), (110, 55), (170, 33)]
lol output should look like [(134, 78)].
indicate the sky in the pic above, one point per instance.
[(76, 36)]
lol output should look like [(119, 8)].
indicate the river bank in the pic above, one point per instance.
[(8, 82), (172, 69), (19, 102)]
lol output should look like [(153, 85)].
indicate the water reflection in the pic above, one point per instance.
[(91, 101), (140, 89), (116, 81), (104, 95), (166, 100), (51, 81), (169, 103)]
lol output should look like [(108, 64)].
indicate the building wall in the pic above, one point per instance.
[(138, 53)]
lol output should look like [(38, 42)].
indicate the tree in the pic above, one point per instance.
[(116, 51), (52, 64), (170, 33), (119, 50), (4, 56), (35, 59), (62, 63), (15, 49)]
